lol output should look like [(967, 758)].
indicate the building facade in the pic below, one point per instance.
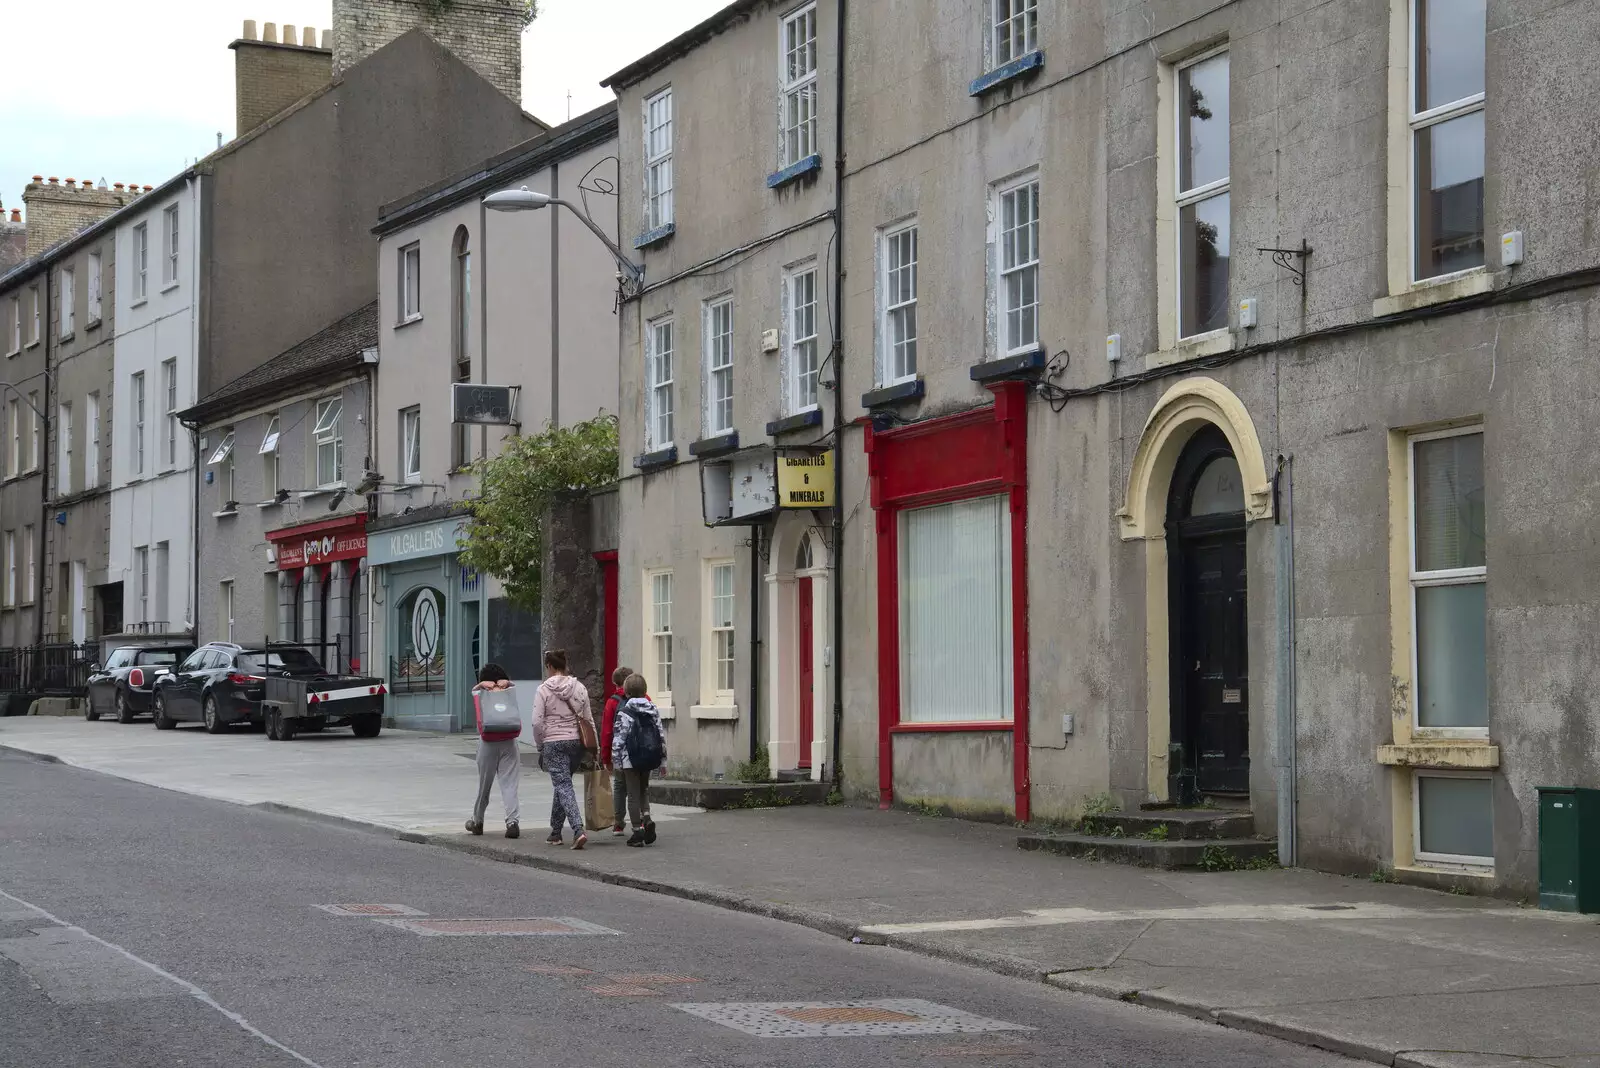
[(474, 297), (728, 195), (1205, 427)]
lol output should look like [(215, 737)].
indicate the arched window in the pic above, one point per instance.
[(461, 335), (419, 639), (802, 555)]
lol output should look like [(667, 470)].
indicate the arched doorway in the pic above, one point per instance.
[(797, 672), (1210, 718)]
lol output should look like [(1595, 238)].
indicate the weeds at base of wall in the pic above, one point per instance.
[(761, 799), (1159, 833), (834, 797), (1382, 875), (1220, 858), (757, 770)]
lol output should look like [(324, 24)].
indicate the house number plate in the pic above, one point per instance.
[(1231, 697)]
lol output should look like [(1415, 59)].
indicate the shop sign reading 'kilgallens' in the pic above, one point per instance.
[(806, 481)]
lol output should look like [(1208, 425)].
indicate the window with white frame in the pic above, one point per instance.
[(69, 296), (1452, 818), (141, 262), (1448, 573), (658, 384), (718, 340), (799, 46), (719, 624), (898, 328), (222, 460), (141, 570), (91, 441), (169, 271), (169, 379), (1014, 25), (64, 449), (94, 287), (410, 282), (329, 439), (411, 444), (225, 602), (1017, 266), (658, 585), (163, 580), (14, 421), (11, 567), (800, 348), (658, 159), (136, 401), (15, 324), (35, 432), (269, 456), (955, 612), (1205, 220), (1447, 135), (37, 315), (29, 551)]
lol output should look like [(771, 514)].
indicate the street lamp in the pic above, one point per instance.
[(525, 199)]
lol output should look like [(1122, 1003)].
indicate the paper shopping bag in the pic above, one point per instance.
[(597, 810)]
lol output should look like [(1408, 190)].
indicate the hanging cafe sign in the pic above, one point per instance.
[(805, 480)]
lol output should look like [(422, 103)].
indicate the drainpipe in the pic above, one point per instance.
[(755, 637), (1283, 520), (47, 432), (836, 644)]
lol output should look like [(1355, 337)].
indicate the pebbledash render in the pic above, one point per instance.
[(1216, 409)]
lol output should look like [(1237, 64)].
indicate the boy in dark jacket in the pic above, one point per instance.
[(639, 747), (608, 720)]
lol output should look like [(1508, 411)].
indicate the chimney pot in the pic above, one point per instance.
[(54, 180), (16, 215), (72, 183), (308, 37), (148, 188), (249, 30), (38, 177), (288, 33), (269, 32), (118, 187), (327, 40)]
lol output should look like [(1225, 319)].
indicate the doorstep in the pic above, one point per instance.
[(718, 795)]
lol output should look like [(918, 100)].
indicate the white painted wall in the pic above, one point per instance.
[(157, 505)]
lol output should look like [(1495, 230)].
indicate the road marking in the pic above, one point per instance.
[(555, 969), (193, 991), (623, 990), (1054, 917), (371, 910), (528, 926), (648, 979), (844, 1019)]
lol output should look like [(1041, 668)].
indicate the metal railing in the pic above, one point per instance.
[(59, 669), (410, 674)]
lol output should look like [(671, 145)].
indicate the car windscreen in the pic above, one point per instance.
[(291, 661), (160, 656)]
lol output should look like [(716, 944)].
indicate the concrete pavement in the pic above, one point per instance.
[(1391, 974), (143, 929)]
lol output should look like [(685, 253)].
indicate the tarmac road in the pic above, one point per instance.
[(140, 927)]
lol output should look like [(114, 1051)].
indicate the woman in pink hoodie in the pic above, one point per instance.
[(563, 729)]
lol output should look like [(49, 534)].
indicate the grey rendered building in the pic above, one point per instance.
[(1217, 415)]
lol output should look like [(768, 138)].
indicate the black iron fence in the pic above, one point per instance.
[(413, 674), (56, 669)]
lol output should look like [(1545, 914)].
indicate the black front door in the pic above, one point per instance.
[(1210, 685)]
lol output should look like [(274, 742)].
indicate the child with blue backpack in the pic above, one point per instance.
[(638, 748)]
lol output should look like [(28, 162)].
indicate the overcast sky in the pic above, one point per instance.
[(132, 92)]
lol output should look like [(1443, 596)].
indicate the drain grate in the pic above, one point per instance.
[(532, 926), (844, 1019), (371, 910)]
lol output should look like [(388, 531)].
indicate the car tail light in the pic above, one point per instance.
[(136, 677), (239, 679)]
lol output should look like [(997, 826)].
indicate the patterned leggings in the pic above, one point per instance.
[(561, 759)]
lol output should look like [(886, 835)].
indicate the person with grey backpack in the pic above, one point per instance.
[(638, 748), (494, 700)]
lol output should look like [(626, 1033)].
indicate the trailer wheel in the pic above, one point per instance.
[(367, 726)]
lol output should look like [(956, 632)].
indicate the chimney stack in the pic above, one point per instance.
[(13, 240), (56, 211), (486, 35), (270, 75)]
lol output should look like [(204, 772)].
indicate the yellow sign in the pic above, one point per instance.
[(806, 481)]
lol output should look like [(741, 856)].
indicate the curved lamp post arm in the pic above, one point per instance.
[(634, 272), (525, 199)]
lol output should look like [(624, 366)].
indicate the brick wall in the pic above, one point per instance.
[(58, 210), (269, 77), (486, 35), (13, 240)]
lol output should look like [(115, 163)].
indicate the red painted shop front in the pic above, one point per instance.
[(978, 454), (310, 550)]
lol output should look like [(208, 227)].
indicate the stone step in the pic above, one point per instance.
[(1180, 823), (715, 795), (1220, 854)]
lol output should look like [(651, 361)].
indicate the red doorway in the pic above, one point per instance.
[(807, 675)]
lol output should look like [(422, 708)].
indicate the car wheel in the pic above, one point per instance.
[(163, 723), (213, 716), (90, 712), (124, 713), (367, 726), (274, 723), (286, 728)]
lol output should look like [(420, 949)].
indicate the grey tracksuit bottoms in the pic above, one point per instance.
[(503, 761)]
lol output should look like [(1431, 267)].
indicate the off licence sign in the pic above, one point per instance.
[(321, 549), (806, 481)]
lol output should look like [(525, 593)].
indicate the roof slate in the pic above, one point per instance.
[(335, 347)]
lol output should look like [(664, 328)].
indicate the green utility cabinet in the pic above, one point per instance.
[(1569, 849)]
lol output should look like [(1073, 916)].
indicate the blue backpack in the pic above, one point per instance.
[(645, 745)]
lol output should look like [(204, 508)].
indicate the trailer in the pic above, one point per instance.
[(292, 704)]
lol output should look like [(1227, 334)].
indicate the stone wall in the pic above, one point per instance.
[(484, 34)]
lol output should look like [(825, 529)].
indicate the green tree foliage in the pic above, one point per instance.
[(505, 534)]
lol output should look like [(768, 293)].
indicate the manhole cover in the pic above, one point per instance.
[(371, 910), (844, 1019), (547, 926)]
